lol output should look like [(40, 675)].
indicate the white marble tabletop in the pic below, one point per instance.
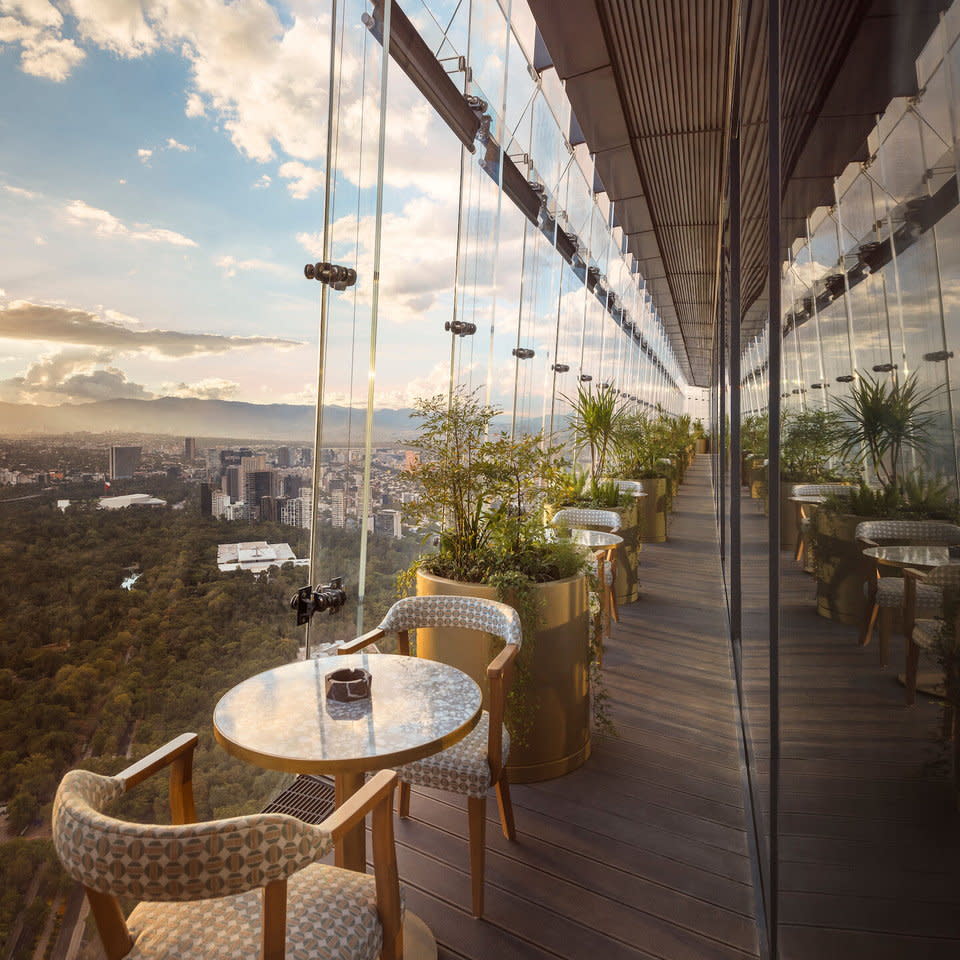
[(916, 555), (282, 720), (595, 538)]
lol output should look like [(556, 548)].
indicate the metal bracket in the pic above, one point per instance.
[(338, 277)]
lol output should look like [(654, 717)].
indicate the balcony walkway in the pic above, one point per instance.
[(642, 852)]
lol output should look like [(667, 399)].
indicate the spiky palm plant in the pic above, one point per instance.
[(598, 416), (882, 419)]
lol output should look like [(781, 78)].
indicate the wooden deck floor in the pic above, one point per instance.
[(642, 852)]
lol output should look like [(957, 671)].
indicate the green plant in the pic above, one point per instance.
[(808, 443), (482, 496), (576, 487), (644, 447), (598, 417), (879, 420), (754, 434)]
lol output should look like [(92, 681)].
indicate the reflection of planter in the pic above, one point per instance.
[(840, 567), (758, 479), (558, 738), (653, 511), (702, 445), (788, 516)]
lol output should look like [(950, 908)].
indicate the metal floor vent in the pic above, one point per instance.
[(308, 798)]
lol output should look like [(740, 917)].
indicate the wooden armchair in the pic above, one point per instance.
[(923, 634), (477, 762), (226, 888)]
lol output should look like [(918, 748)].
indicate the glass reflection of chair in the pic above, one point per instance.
[(245, 886), (885, 594), (805, 523), (584, 518), (477, 762), (923, 635)]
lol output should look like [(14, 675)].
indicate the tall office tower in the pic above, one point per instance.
[(256, 461), (338, 507), (306, 457), (234, 457), (298, 511), (189, 448), (258, 484), (123, 462), (233, 483), (292, 485), (206, 500), (283, 456), (388, 523), (271, 508)]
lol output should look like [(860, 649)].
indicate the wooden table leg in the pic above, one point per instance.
[(351, 852)]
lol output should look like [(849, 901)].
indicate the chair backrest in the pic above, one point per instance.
[(197, 861), (470, 613), (632, 487), (822, 490), (585, 517), (947, 577), (924, 532)]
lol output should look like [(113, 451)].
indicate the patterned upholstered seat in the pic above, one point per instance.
[(331, 914), (462, 768), (890, 594), (203, 887), (926, 632), (478, 762)]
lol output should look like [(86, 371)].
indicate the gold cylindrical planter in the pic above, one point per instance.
[(840, 568), (701, 445), (653, 511), (558, 737)]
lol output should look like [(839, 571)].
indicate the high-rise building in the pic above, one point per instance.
[(388, 523), (123, 462), (219, 503), (233, 482), (206, 500), (189, 448), (258, 484), (283, 456), (271, 508), (338, 507), (292, 485), (255, 461), (306, 457)]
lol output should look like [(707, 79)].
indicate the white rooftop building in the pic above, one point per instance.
[(255, 556), (131, 500)]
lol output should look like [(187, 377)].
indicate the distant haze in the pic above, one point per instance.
[(178, 416)]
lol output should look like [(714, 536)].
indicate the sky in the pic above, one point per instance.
[(162, 186)]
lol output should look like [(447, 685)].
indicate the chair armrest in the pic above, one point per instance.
[(502, 661), (498, 673), (377, 795), (377, 789), (178, 755), (352, 646)]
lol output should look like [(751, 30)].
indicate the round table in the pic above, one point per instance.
[(282, 720), (595, 539), (919, 556)]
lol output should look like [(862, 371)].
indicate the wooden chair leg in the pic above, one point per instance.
[(910, 679), (403, 801), (505, 806), (869, 622), (477, 812), (886, 632), (798, 556)]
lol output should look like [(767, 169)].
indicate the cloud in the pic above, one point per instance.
[(43, 52), (264, 182), (105, 224), (212, 388), (72, 374), (22, 320), (144, 154), (303, 179), (194, 106), (20, 192), (40, 241), (119, 26), (230, 265), (176, 145)]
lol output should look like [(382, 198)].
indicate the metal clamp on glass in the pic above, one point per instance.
[(460, 328), (310, 600), (338, 277), (523, 353)]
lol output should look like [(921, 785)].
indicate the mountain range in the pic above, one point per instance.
[(202, 418)]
